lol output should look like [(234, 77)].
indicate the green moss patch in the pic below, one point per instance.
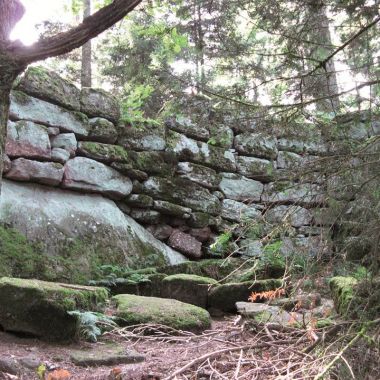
[(133, 309), (213, 268), (18, 257), (343, 293)]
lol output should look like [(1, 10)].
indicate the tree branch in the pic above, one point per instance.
[(65, 42), (323, 63)]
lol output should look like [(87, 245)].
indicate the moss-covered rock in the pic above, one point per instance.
[(40, 308), (187, 288), (47, 85), (99, 103), (133, 309), (183, 192), (343, 293), (212, 268), (354, 299), (70, 236), (224, 297), (102, 130), (18, 257), (103, 152), (259, 270)]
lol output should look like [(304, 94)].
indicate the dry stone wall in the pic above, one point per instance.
[(184, 182)]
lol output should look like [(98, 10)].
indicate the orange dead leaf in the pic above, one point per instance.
[(115, 374), (59, 374), (268, 295)]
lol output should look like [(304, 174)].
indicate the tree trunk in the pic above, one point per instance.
[(11, 12), (324, 82), (86, 73), (6, 82)]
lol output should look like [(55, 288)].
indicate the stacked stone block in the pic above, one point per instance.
[(182, 181)]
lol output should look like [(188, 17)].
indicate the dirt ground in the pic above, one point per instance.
[(160, 357)]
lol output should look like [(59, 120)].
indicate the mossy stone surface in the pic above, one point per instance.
[(187, 288), (258, 270), (132, 309), (212, 268), (47, 85), (40, 308), (343, 294), (107, 355), (103, 152), (224, 297)]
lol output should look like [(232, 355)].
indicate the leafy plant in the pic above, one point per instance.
[(92, 324), (132, 105), (221, 242)]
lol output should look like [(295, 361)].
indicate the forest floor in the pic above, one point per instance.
[(231, 349), (219, 353)]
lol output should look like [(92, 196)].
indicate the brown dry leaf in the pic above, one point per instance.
[(115, 374), (268, 295), (59, 374)]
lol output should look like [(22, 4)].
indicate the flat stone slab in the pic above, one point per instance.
[(27, 139), (105, 355), (87, 175), (132, 310), (263, 313), (24, 107)]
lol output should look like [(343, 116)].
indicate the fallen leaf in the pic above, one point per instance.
[(59, 374)]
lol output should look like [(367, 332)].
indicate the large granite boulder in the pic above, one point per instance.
[(240, 188), (66, 141), (256, 144), (47, 173), (301, 146), (202, 175), (183, 192), (41, 308), (87, 175), (238, 211), (47, 85), (102, 130), (99, 103), (132, 310), (143, 137), (185, 125), (205, 154), (24, 107), (256, 168), (295, 215), (75, 234), (27, 139), (186, 244), (287, 192)]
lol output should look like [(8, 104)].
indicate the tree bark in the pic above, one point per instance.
[(11, 12), (86, 72), (323, 82)]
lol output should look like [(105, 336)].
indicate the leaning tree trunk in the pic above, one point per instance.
[(11, 12), (86, 72), (9, 74)]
